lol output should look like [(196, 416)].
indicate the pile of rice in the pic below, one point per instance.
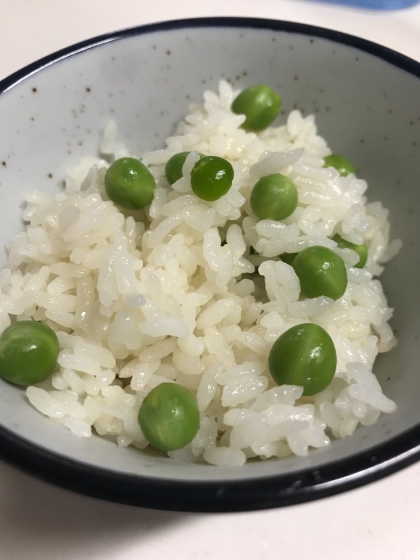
[(173, 293)]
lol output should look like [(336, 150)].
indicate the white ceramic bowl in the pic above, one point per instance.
[(366, 100)]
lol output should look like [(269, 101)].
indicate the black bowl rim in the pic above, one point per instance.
[(214, 496)]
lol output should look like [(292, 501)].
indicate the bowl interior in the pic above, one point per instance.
[(365, 107)]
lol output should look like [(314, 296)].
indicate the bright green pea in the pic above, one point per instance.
[(28, 352), (173, 168), (343, 166), (211, 177), (288, 258), (361, 250), (169, 417), (321, 272), (274, 197), (260, 104), (304, 355), (129, 184)]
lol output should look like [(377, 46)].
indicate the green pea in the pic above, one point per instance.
[(28, 352), (211, 177), (361, 250), (304, 355), (288, 258), (343, 166), (169, 417), (321, 272), (260, 104), (173, 168), (129, 184), (274, 197)]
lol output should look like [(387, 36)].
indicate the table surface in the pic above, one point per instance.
[(40, 522)]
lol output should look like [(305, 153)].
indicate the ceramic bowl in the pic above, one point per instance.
[(365, 98)]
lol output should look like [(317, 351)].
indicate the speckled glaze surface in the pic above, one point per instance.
[(366, 102)]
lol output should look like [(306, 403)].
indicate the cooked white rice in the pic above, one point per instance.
[(141, 298)]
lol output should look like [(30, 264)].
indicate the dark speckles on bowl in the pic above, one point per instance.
[(152, 74)]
